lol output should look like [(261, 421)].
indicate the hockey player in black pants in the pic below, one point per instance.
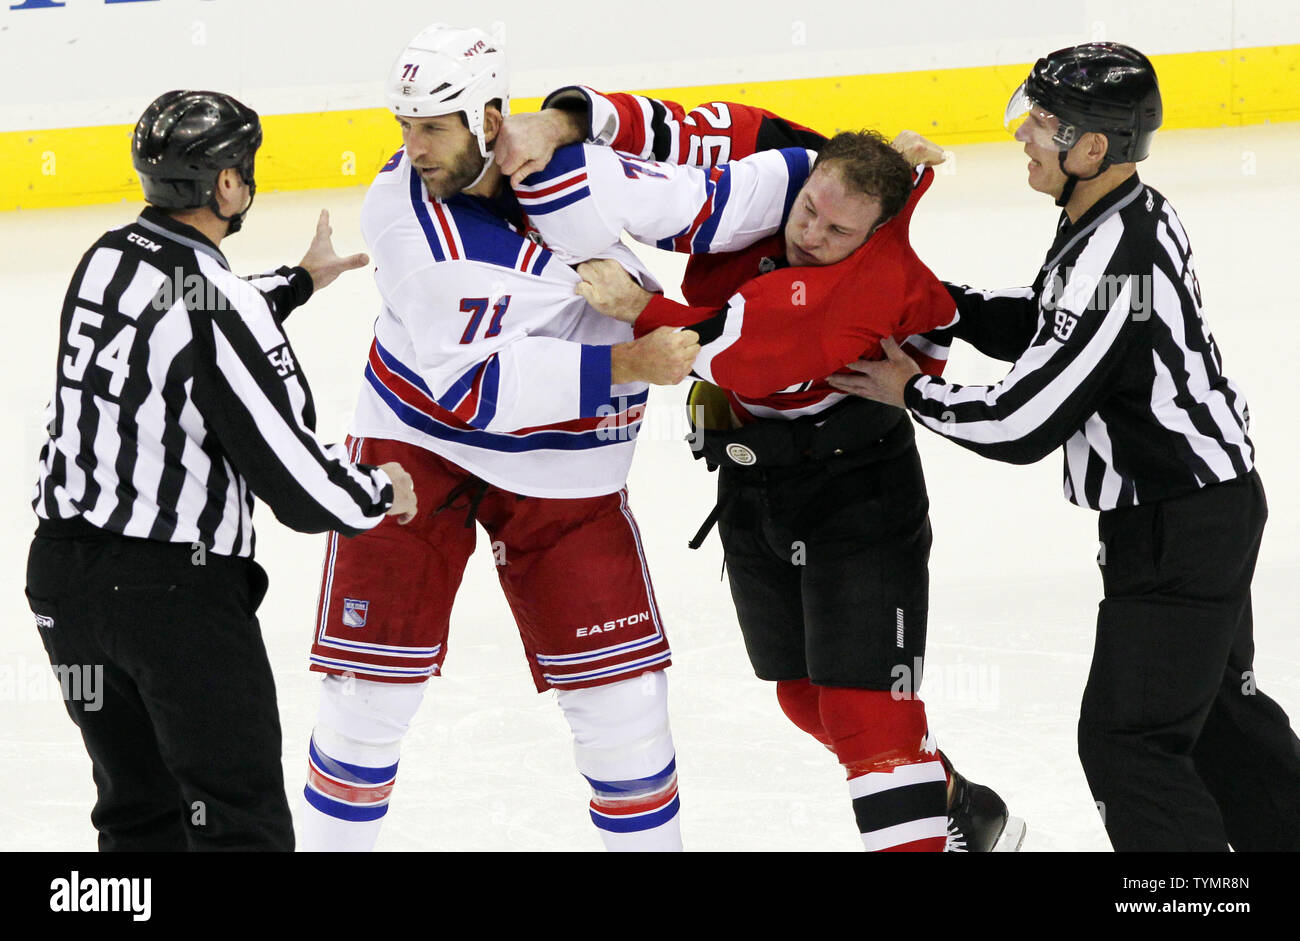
[(822, 505), (1113, 360)]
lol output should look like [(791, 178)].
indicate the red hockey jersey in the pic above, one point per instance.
[(771, 334)]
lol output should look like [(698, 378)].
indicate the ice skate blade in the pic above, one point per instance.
[(1013, 834)]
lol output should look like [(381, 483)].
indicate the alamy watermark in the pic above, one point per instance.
[(38, 681), (624, 421), (189, 288), (78, 893), (965, 684), (1069, 292)]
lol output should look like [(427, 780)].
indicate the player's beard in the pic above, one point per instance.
[(464, 170)]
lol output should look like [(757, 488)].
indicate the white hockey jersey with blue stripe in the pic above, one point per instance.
[(484, 354), (670, 206)]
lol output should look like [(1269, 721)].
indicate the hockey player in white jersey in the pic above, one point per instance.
[(513, 404)]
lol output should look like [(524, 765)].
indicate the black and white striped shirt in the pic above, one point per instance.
[(1112, 359), (178, 398)]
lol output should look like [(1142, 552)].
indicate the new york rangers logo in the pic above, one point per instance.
[(354, 612)]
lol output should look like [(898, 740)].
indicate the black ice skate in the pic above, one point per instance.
[(978, 821)]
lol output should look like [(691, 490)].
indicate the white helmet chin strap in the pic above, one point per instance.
[(487, 162), (485, 150)]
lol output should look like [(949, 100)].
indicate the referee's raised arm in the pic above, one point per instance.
[(249, 389)]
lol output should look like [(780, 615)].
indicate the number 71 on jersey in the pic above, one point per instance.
[(477, 307)]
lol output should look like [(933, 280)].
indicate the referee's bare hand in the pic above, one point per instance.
[(403, 507), (322, 262), (882, 380)]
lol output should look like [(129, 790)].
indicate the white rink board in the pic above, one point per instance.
[(108, 56), (488, 766)]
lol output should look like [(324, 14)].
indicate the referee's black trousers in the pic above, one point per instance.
[(184, 736), (1181, 749)]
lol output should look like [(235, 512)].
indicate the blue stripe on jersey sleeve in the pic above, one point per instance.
[(542, 258), (796, 165), (596, 373), (721, 192), (565, 160), (393, 161), (422, 214), (568, 199)]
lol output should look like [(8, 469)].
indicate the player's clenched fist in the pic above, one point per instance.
[(527, 141), (403, 493), (610, 289), (917, 150), (662, 358)]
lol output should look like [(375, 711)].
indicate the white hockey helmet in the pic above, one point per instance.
[(450, 70)]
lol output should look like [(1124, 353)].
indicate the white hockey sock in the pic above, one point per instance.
[(624, 748), (352, 762)]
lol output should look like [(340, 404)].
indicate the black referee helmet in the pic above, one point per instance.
[(185, 139), (1104, 87), (1098, 87)]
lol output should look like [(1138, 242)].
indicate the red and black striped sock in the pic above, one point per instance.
[(896, 780)]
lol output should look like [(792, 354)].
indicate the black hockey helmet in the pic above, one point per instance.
[(184, 139), (1102, 87)]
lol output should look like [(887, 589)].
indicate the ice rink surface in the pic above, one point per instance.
[(488, 764)]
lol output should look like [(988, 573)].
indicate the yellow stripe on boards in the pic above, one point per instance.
[(1265, 84), (79, 166)]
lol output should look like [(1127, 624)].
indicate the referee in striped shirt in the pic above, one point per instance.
[(178, 399), (1113, 360)]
